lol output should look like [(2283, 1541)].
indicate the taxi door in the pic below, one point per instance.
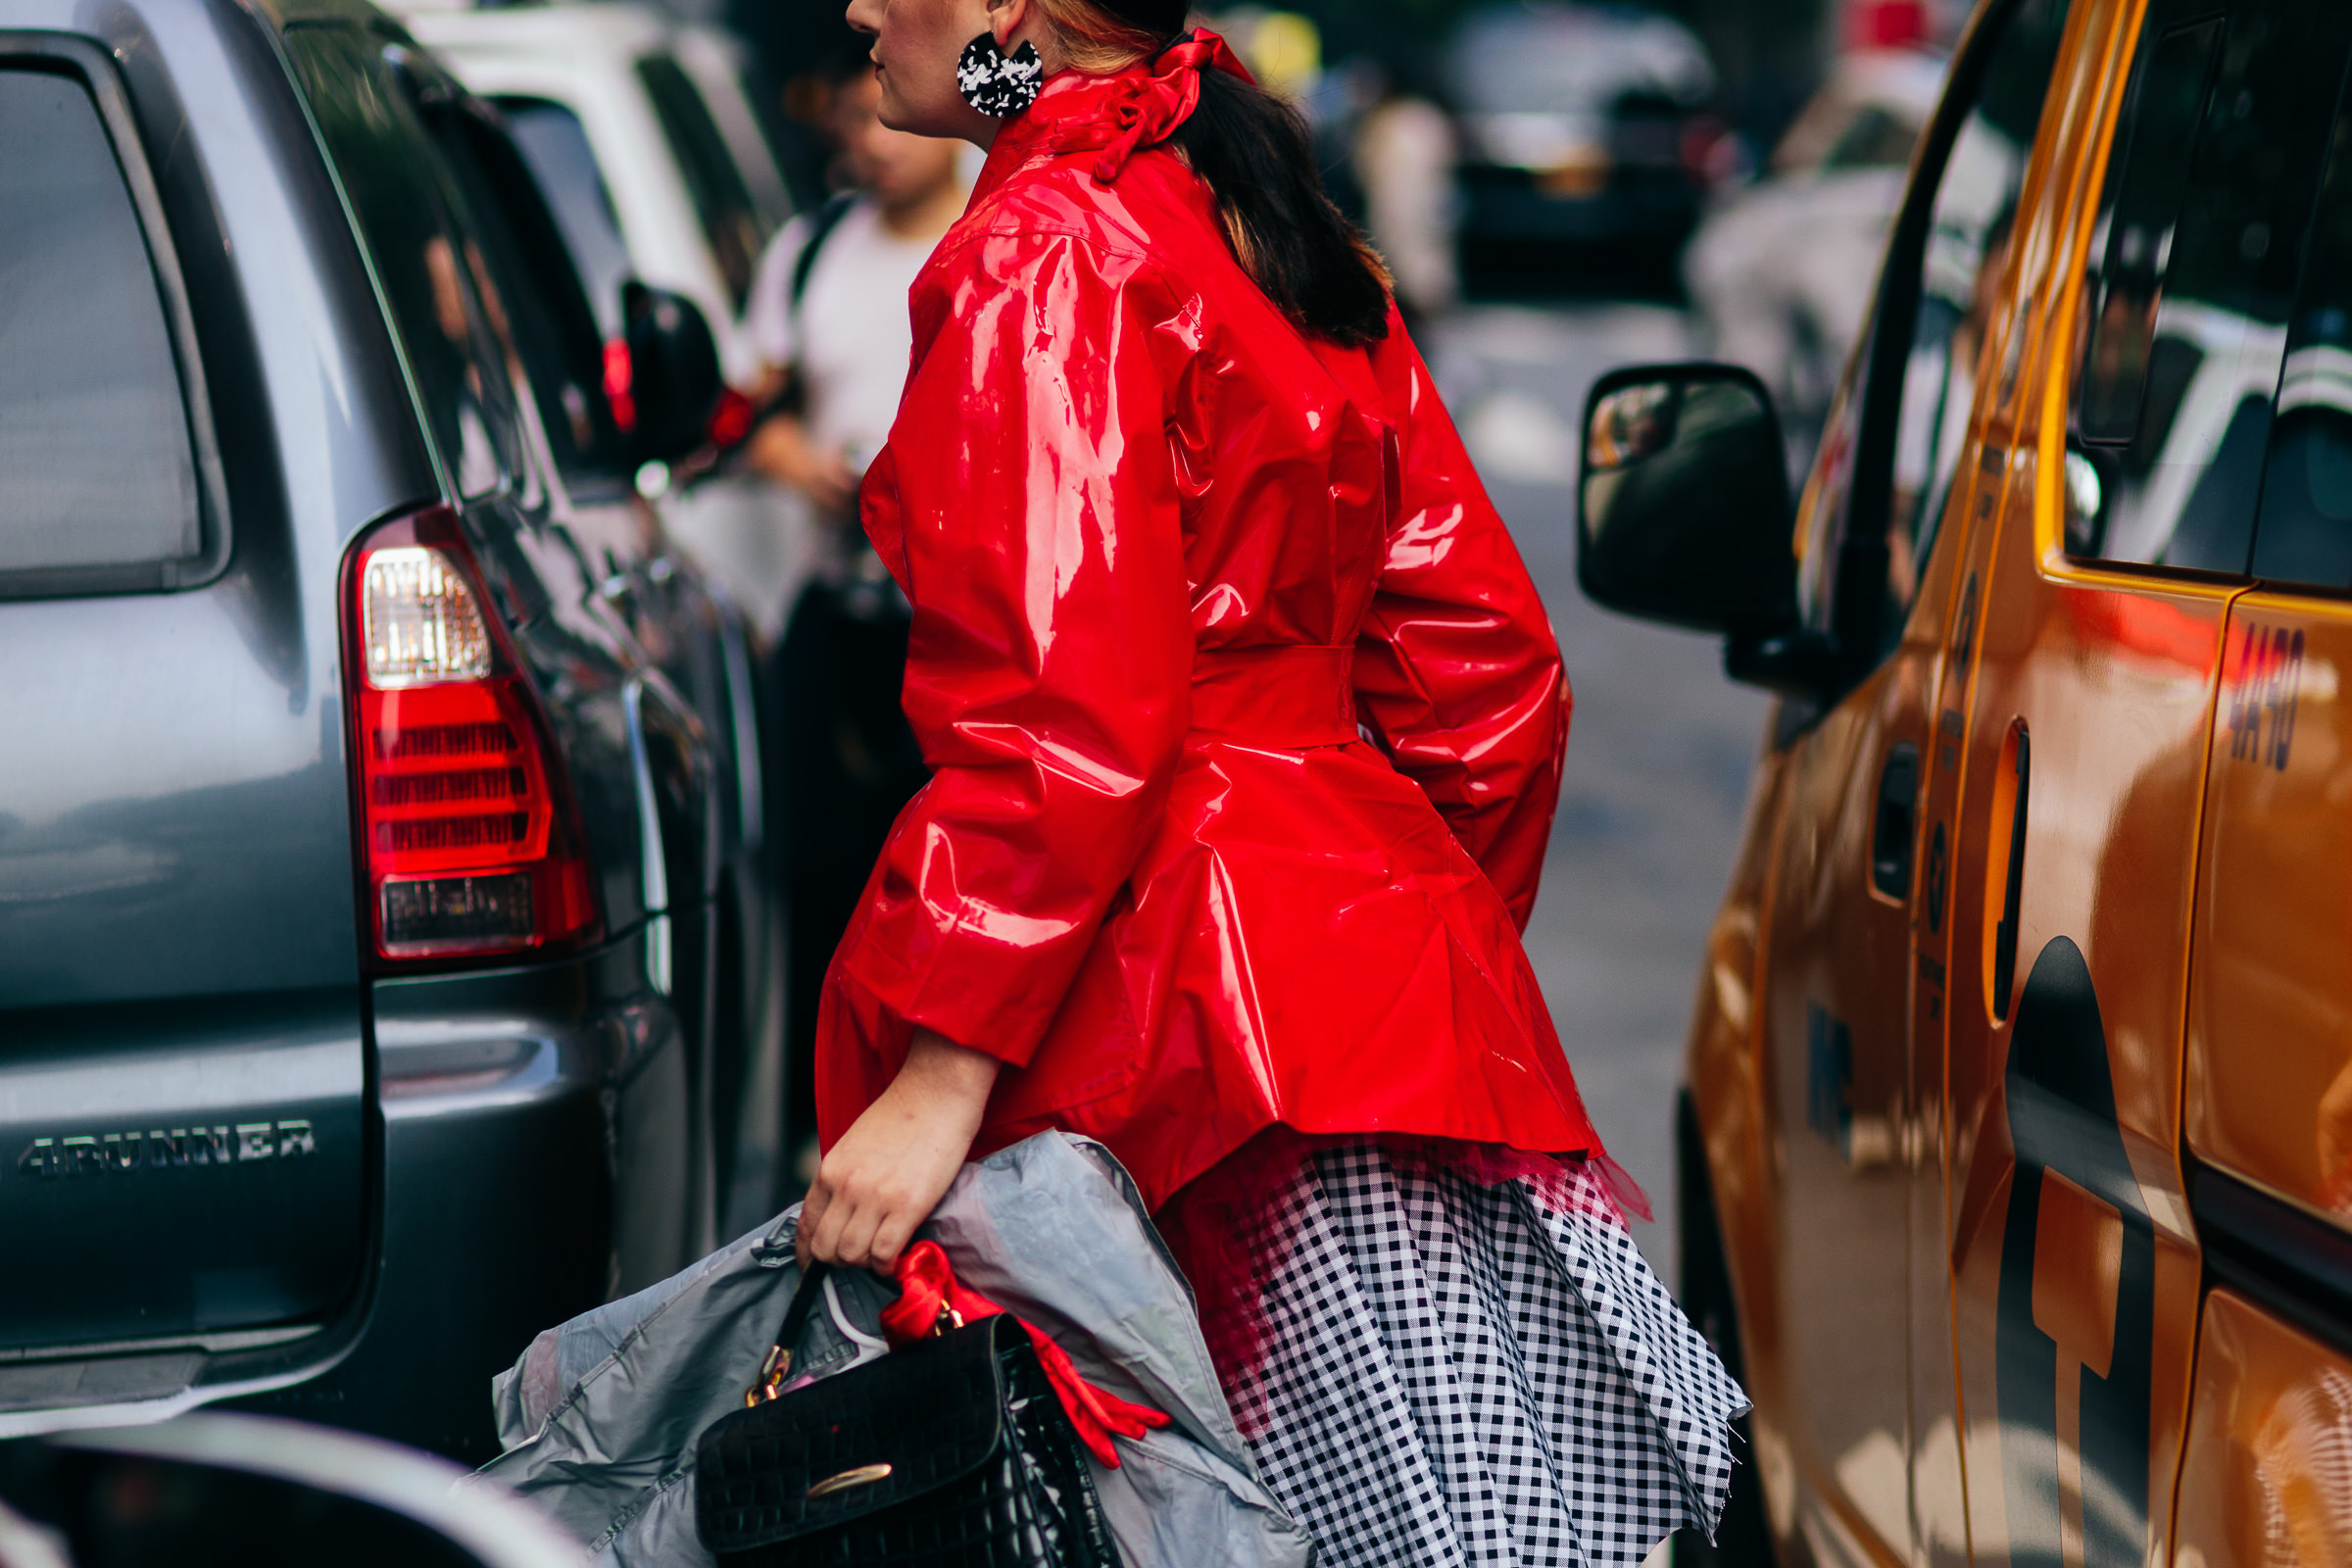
[(2157, 272), (2267, 1114), (1852, 928)]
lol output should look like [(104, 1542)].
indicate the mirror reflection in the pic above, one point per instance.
[(1685, 499), (1630, 424)]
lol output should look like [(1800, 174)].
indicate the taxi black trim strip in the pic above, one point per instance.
[(2294, 1265)]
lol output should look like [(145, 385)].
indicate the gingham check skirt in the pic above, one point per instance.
[(1449, 1370)]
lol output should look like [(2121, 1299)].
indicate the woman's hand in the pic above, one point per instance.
[(893, 1165)]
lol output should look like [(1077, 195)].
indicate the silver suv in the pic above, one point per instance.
[(383, 970)]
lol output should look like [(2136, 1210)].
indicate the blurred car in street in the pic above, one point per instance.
[(384, 965), (644, 137), (220, 1489), (2016, 1148), (1586, 134), (628, 90), (1780, 275)]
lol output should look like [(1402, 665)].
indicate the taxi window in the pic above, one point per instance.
[(2205, 211), (1966, 260), (1919, 404), (2151, 170), (2305, 532)]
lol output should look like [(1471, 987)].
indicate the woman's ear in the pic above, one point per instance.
[(1004, 19)]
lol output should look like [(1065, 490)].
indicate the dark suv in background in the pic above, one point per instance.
[(383, 971)]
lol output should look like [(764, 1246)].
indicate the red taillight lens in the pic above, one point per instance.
[(472, 844)]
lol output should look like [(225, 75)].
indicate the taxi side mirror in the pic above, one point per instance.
[(1684, 511)]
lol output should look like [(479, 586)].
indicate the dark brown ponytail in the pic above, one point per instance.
[(1257, 158)]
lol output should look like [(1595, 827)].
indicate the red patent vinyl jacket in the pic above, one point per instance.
[(1166, 553)]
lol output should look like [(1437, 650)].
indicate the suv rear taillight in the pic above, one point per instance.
[(470, 840)]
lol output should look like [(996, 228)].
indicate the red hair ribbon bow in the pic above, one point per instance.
[(1147, 110), (928, 1292)]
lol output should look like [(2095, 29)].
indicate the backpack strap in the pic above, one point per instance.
[(821, 223)]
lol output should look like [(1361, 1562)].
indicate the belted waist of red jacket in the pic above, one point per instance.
[(1244, 717)]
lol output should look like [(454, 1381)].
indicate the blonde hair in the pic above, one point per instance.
[(1092, 41)]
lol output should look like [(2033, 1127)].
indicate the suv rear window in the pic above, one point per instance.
[(97, 464), (730, 220)]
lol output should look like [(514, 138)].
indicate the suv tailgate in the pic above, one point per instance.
[(184, 1108)]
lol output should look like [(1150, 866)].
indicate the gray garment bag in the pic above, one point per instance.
[(600, 1417)]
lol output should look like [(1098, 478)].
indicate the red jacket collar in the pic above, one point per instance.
[(1120, 112)]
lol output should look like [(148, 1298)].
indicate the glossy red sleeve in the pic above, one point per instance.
[(1028, 503), (1457, 668)]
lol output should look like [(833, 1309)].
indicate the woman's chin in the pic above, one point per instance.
[(898, 114), (920, 123)]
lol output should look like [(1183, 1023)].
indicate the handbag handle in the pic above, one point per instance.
[(778, 1364)]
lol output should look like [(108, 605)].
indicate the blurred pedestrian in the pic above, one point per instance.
[(828, 315), (1404, 160), (1245, 723)]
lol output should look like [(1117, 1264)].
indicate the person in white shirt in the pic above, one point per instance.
[(828, 315), (828, 305), (1404, 157)]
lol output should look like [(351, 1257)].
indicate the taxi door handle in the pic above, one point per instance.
[(2004, 935), (1895, 829)]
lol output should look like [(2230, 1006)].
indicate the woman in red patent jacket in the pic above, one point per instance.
[(1246, 727)]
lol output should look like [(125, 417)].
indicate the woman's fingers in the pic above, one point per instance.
[(824, 1239), (890, 1237), (812, 1214), (856, 1207), (854, 1248)]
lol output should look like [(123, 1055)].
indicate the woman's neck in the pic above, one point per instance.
[(926, 214)]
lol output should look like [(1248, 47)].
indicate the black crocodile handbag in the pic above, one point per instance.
[(952, 1453)]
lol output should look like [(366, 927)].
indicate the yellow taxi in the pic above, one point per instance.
[(2017, 1137)]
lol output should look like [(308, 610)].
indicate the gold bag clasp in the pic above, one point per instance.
[(865, 1475)]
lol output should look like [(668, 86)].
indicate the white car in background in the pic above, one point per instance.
[(640, 130), (1781, 272), (722, 66)]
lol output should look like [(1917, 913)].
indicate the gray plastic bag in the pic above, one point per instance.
[(600, 1415)]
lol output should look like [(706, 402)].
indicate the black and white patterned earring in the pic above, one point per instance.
[(998, 85)]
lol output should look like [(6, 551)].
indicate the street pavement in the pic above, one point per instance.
[(1659, 755)]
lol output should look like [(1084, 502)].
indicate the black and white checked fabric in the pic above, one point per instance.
[(1457, 1373)]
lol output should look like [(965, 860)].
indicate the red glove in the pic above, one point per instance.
[(928, 1289)]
